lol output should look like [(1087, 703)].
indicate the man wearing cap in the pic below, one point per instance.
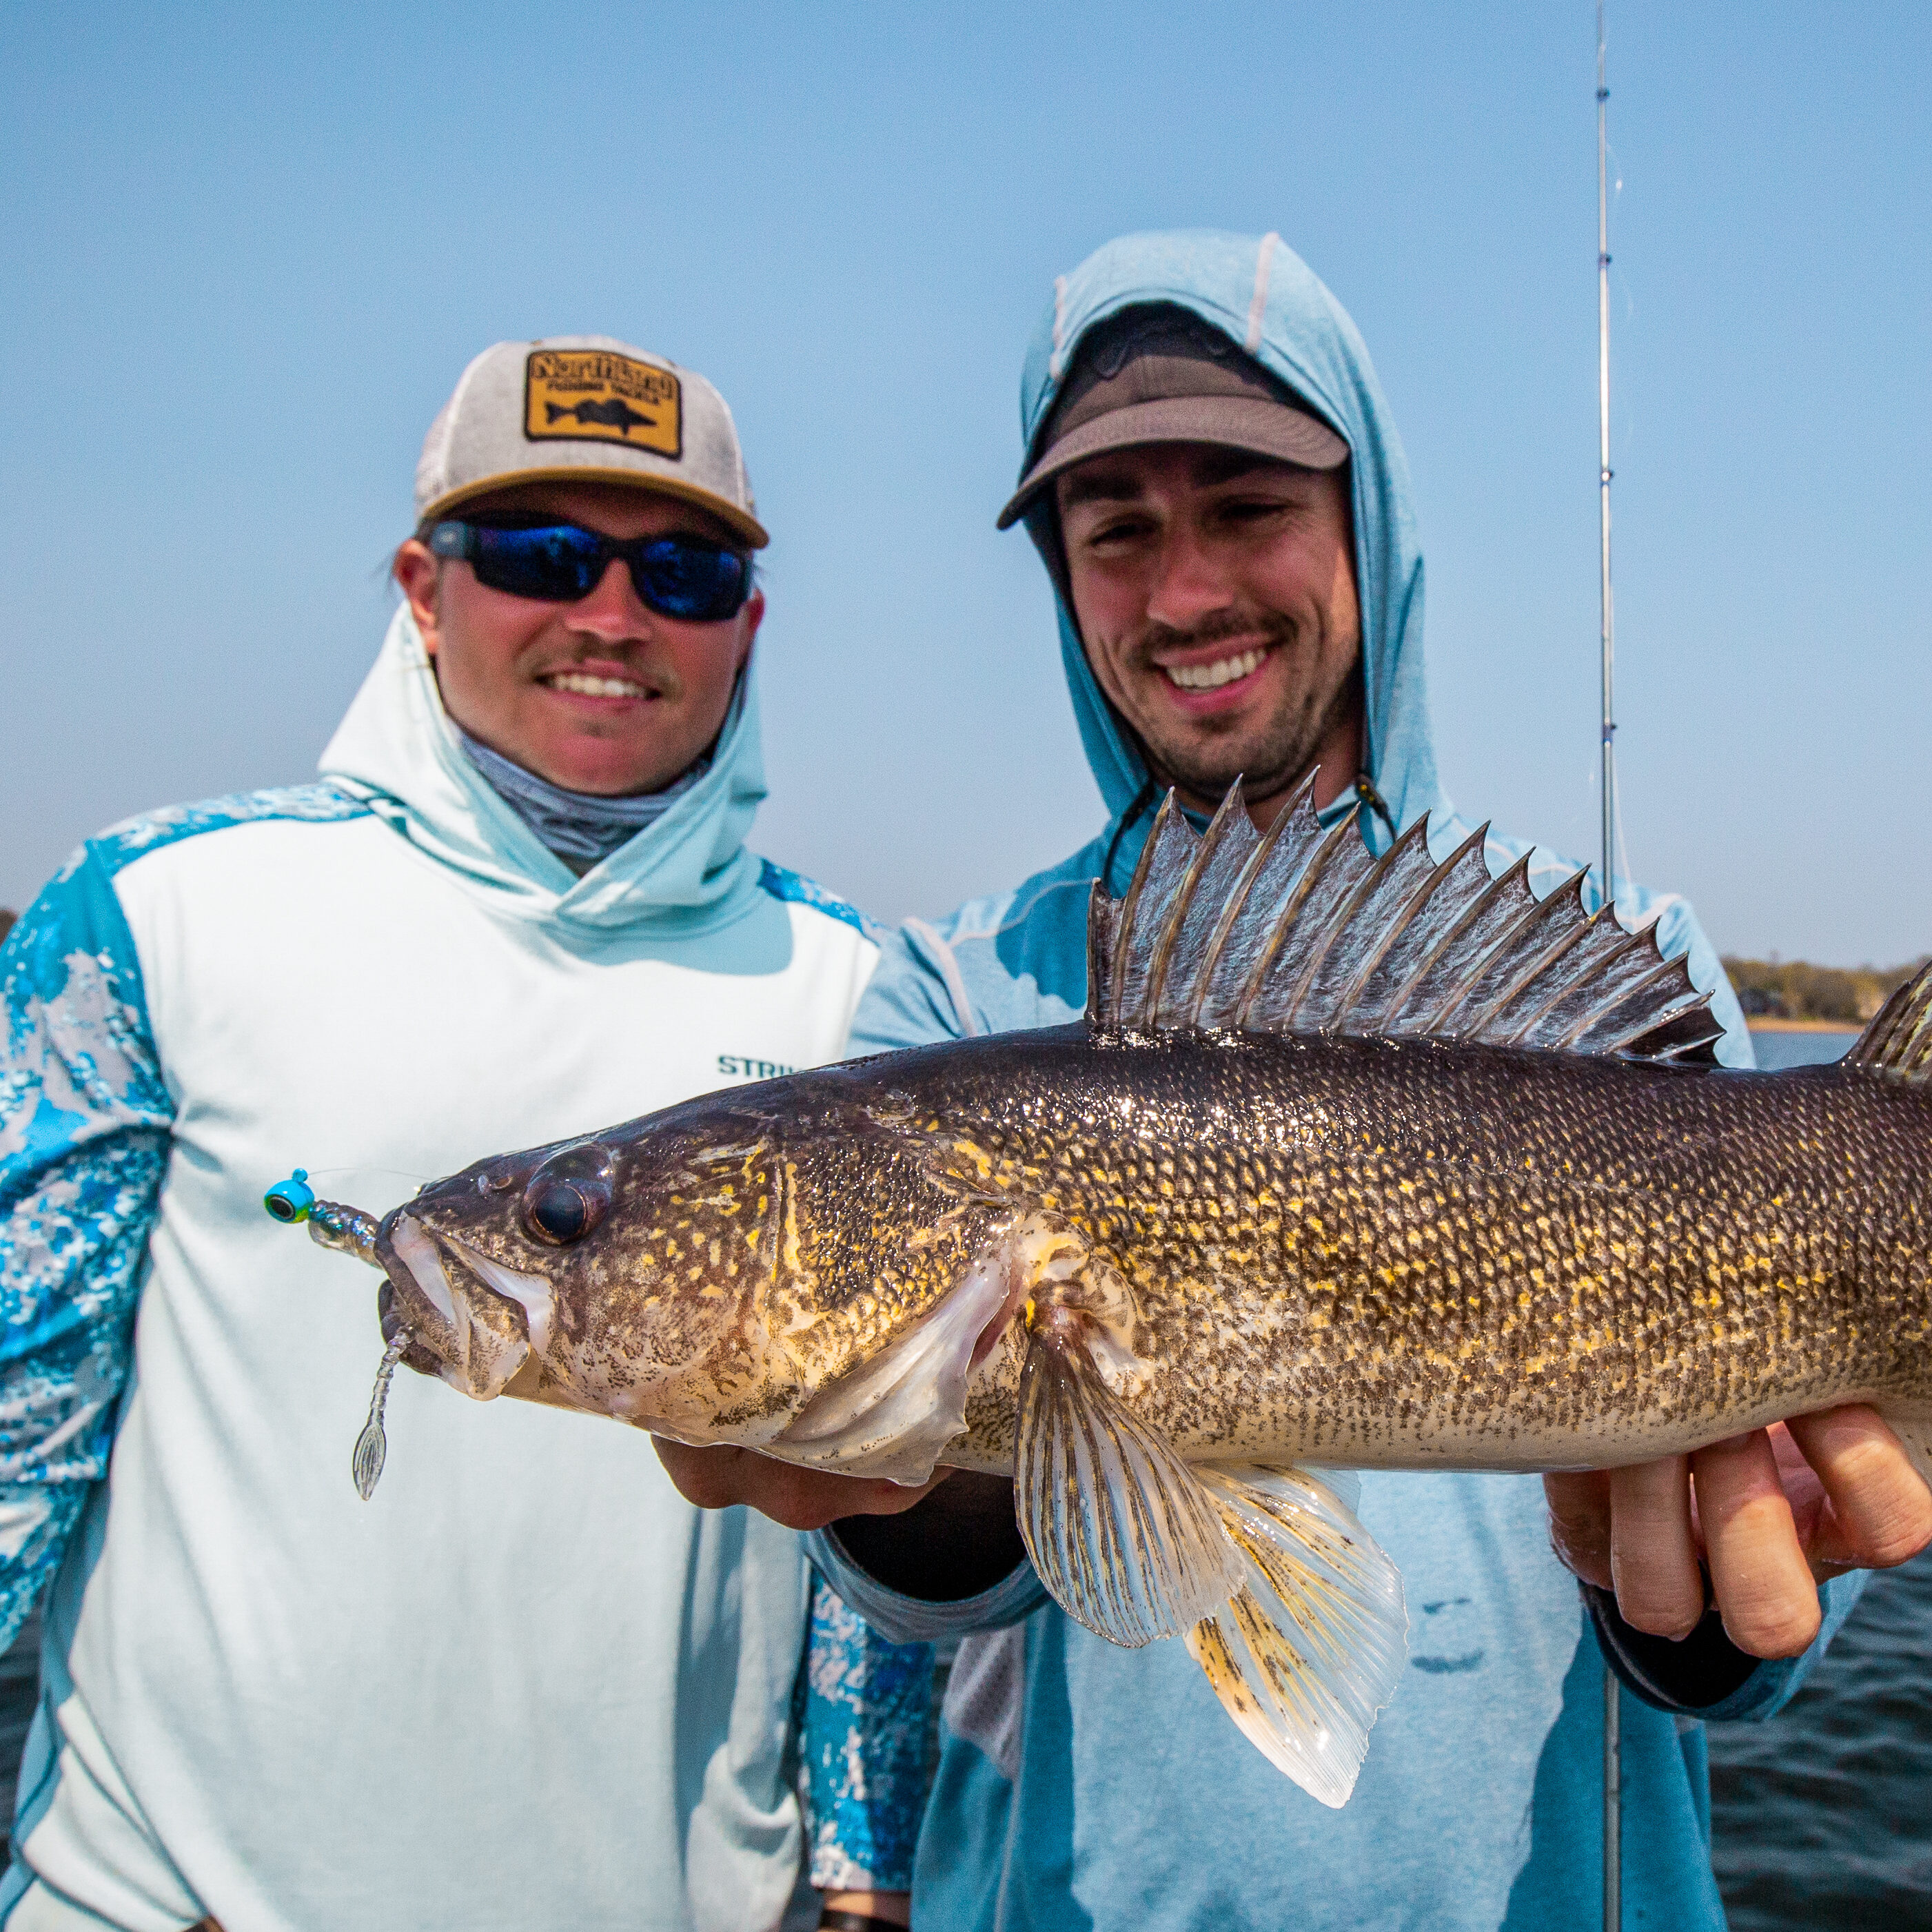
[(525, 1685), (1215, 486)]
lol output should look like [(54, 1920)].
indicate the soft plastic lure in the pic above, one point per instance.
[(350, 1232)]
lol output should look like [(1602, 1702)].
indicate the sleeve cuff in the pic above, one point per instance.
[(1698, 1677), (1706, 1676), (902, 1619)]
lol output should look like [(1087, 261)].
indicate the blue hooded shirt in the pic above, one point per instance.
[(1083, 1785)]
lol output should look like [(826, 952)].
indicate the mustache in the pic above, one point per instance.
[(1271, 627)]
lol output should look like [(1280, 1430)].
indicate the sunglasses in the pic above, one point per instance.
[(676, 576)]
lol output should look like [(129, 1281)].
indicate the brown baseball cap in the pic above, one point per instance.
[(1157, 372)]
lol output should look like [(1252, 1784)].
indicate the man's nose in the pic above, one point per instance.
[(1188, 581), (612, 609)]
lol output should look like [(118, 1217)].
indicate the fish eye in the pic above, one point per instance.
[(568, 1196), (559, 1212)]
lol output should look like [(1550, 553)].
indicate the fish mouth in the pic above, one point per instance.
[(481, 1319)]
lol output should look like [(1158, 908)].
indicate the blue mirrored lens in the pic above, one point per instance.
[(683, 579), (560, 563), (677, 576)]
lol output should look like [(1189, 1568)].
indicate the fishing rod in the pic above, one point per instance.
[(1607, 601), (1613, 1792)]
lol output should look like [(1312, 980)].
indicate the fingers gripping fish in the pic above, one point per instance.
[(1353, 1162)]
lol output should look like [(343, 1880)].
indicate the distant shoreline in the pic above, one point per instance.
[(1758, 1025)]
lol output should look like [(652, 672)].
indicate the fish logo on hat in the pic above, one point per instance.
[(581, 395)]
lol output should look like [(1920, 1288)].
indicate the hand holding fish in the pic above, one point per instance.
[(1771, 1513), (714, 1476)]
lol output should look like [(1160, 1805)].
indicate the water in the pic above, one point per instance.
[(1799, 1049), (1822, 1817)]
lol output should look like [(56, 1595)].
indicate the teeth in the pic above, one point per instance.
[(1208, 676), (593, 687)]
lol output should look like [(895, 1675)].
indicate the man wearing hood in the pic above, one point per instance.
[(1214, 481), (526, 1684)]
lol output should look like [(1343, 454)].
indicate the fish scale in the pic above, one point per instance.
[(1448, 1254), (1355, 1161)]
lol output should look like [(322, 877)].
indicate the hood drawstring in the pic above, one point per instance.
[(1365, 790), (1141, 799)]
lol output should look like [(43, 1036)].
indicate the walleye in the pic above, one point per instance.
[(1354, 1162)]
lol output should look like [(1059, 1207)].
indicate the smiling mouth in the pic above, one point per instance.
[(584, 684), (1223, 671)]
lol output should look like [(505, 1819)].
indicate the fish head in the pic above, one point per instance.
[(586, 1273), (703, 1272)]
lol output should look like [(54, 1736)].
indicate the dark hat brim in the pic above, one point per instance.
[(1251, 423)]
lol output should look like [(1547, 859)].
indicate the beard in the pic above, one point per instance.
[(1270, 753)]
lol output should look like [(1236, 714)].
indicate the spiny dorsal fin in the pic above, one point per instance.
[(1304, 928), (1899, 1040), (1165, 861), (1230, 844), (1248, 925), (1329, 969), (1301, 930)]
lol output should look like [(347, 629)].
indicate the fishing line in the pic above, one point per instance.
[(395, 1173)]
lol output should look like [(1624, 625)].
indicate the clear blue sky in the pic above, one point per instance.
[(248, 251)]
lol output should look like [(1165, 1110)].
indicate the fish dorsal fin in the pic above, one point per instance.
[(1103, 933), (1301, 929), (1310, 980), (1227, 849), (1249, 924), (1415, 931), (1899, 1040), (1165, 867)]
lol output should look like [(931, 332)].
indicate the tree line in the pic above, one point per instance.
[(1794, 989)]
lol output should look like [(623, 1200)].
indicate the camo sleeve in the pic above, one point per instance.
[(84, 1122), (862, 1750)]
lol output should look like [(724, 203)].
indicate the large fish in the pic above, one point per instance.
[(1353, 1162)]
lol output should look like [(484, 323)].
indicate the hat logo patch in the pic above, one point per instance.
[(590, 395)]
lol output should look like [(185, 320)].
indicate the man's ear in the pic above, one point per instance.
[(417, 573), (749, 619)]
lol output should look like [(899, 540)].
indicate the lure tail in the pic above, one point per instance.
[(350, 1232)]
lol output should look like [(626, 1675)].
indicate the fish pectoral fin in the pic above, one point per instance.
[(1123, 1534), (1311, 1646)]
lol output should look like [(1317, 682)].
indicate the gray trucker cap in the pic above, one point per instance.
[(1157, 372), (586, 409)]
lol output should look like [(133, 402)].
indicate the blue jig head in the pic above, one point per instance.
[(290, 1200), (330, 1223)]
